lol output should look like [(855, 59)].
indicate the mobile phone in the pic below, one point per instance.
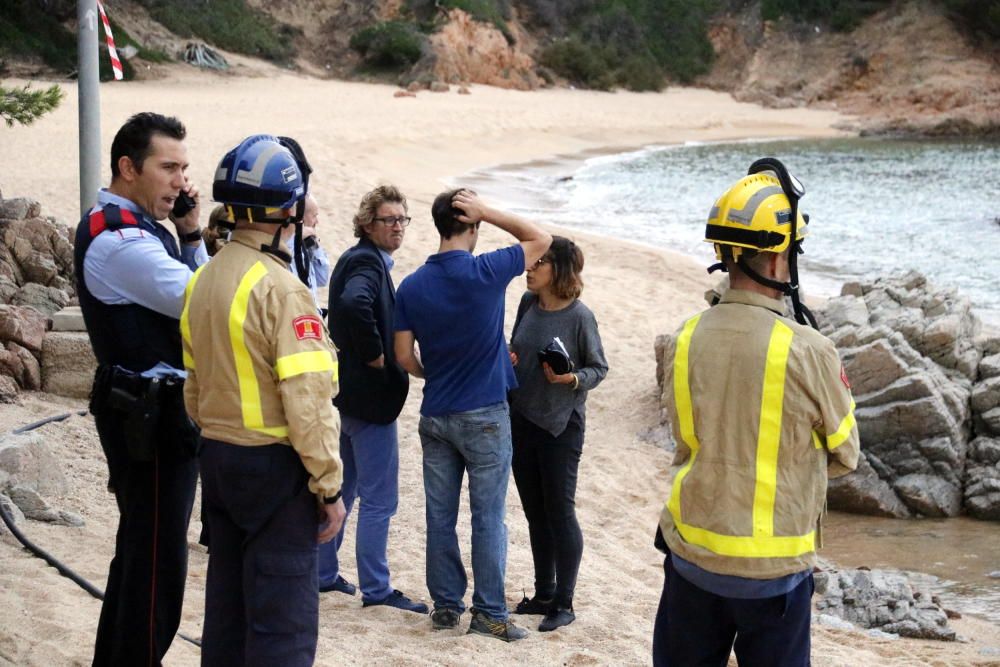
[(182, 205)]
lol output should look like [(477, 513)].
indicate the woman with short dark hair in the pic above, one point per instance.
[(548, 420)]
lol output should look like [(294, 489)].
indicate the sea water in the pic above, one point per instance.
[(876, 206)]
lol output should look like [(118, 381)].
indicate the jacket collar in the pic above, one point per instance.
[(254, 239), (749, 298), (387, 259), (105, 197)]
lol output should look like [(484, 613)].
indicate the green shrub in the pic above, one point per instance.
[(640, 74), (840, 15), (632, 43), (581, 63), (981, 17), (25, 29), (228, 24), (389, 45)]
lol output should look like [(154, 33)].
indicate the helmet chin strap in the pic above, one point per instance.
[(301, 268), (275, 247), (802, 314)]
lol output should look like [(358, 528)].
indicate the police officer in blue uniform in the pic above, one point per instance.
[(131, 274)]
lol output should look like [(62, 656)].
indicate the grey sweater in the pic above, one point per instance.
[(550, 406)]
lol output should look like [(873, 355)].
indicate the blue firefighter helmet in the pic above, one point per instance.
[(259, 178)]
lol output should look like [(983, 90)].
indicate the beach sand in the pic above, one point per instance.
[(356, 136)]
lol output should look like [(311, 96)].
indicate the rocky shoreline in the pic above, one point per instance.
[(926, 380)]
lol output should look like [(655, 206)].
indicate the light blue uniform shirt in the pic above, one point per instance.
[(130, 265)]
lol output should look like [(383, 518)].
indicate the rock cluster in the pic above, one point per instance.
[(30, 470), (927, 386), (468, 50), (882, 600), (36, 280)]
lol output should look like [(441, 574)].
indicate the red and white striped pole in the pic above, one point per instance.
[(116, 63)]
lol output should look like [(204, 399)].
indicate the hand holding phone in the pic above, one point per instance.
[(182, 205)]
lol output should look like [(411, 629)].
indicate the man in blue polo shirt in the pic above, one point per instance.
[(453, 307)]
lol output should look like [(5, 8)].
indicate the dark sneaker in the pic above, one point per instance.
[(399, 601), (445, 618), (556, 618), (339, 585), (536, 605), (505, 630)]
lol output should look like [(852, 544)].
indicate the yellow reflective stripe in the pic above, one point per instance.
[(185, 320), (737, 546), (769, 429), (817, 443), (318, 361), (253, 416), (843, 432), (685, 412)]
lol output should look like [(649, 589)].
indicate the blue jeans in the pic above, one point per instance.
[(477, 441), (370, 454)]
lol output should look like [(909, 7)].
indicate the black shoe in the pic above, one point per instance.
[(535, 605), (556, 618), (399, 601), (339, 585), (503, 630), (445, 618)]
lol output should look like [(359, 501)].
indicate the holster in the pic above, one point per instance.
[(150, 411)]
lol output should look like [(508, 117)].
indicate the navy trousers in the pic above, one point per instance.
[(261, 592), (545, 472), (145, 589), (695, 628)]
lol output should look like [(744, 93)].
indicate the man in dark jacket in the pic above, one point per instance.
[(373, 388)]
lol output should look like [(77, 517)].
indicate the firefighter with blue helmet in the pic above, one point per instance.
[(762, 413), (131, 273), (261, 377)]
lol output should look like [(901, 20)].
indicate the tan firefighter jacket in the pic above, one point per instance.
[(261, 368), (762, 414)]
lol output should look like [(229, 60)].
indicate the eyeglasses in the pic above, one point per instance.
[(391, 221), (541, 260)]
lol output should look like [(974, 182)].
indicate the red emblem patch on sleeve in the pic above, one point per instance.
[(843, 377), (308, 326)]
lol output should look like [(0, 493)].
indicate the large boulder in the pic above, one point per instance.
[(36, 281), (911, 354), (44, 299), (982, 479), (23, 325), (864, 492), (882, 600), (68, 364), (18, 363), (30, 463)]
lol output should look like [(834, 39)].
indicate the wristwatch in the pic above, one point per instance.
[(332, 499), (190, 237)]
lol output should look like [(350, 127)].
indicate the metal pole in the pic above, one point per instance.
[(89, 95)]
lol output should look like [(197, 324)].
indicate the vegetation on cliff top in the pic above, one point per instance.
[(634, 44), (228, 24)]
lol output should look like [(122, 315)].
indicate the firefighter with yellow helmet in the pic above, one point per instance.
[(762, 414), (261, 376)]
